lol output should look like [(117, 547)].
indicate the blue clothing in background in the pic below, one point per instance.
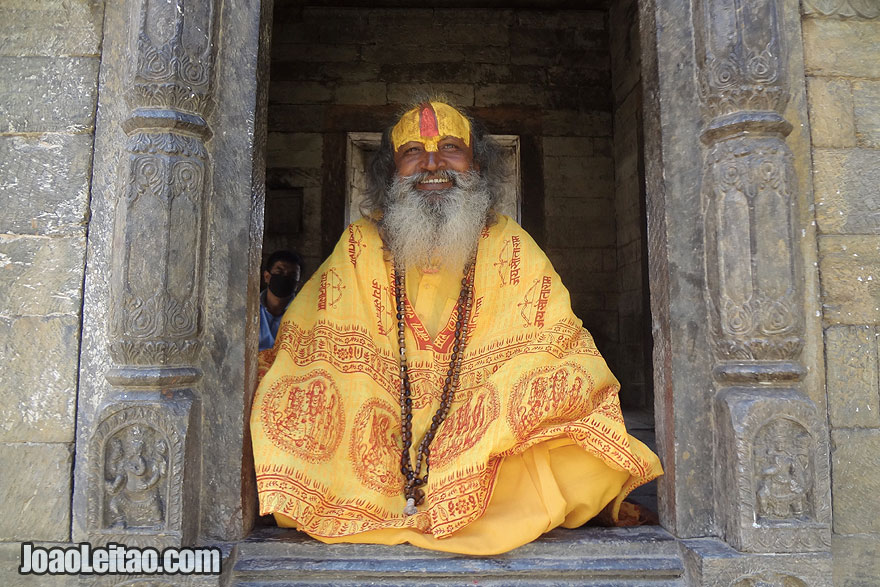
[(268, 324)]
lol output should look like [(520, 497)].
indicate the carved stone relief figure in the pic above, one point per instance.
[(783, 471), (136, 474), (136, 470)]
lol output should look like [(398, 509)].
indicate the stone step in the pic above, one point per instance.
[(618, 557)]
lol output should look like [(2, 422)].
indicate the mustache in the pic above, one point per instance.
[(458, 178)]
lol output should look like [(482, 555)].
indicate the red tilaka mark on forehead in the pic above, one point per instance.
[(428, 122)]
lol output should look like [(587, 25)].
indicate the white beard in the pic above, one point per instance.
[(436, 228)]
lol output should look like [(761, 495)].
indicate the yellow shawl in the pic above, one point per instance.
[(326, 418)]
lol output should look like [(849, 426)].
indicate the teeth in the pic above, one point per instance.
[(436, 180)]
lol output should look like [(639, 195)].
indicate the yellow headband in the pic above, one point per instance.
[(428, 123)]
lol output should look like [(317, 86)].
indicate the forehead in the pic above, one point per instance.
[(429, 123), (283, 266)]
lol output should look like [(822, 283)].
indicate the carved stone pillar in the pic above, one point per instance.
[(771, 475), (143, 465)]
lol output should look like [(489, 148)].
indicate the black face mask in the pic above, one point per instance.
[(281, 286)]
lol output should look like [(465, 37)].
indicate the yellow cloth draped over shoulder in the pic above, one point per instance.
[(535, 438)]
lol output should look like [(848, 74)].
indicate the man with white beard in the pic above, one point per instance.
[(437, 337)]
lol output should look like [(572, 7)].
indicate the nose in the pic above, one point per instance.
[(431, 161)]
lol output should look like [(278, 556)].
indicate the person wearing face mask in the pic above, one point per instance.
[(282, 274)]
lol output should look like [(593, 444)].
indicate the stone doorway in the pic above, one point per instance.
[(727, 397), (561, 80)]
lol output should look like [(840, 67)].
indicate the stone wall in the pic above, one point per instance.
[(629, 189), (49, 60), (545, 74), (842, 57)]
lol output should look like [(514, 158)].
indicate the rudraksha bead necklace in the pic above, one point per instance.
[(413, 480)]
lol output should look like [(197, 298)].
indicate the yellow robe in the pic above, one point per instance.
[(534, 439)]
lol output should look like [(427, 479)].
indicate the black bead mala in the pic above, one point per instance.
[(413, 480)]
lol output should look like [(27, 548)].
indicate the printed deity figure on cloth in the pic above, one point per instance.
[(421, 391)]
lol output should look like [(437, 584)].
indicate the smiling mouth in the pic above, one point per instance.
[(433, 183)]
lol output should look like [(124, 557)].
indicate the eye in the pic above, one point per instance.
[(412, 150), (449, 146)]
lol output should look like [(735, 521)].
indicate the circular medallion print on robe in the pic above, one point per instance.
[(465, 426), (547, 396), (303, 416), (374, 451)]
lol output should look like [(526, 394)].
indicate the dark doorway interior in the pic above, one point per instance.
[(563, 77)]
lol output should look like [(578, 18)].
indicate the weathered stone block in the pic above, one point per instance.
[(366, 93), (40, 94), (304, 92), (485, 54), (38, 379), (625, 47), (500, 73), (437, 73), (508, 94), (591, 123), (303, 150), (460, 94), (10, 562), (314, 52), (846, 48), (579, 176), (567, 146), (866, 100), (845, 184), (582, 20), (50, 28), (850, 270), (710, 562), (831, 112), (283, 118), (851, 375), (597, 208), (856, 480), (35, 486), (497, 17), (41, 276), (575, 232), (390, 53), (347, 72), (437, 33), (44, 183), (856, 563), (772, 456)]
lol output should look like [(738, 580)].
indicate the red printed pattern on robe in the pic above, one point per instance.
[(549, 395), (383, 304), (534, 302), (355, 243), (465, 426), (330, 291), (375, 445), (509, 261), (304, 416)]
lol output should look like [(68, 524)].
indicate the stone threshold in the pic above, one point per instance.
[(646, 555)]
